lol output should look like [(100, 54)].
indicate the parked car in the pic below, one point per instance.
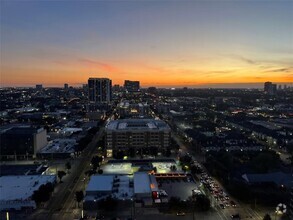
[(222, 206), (180, 213), (235, 217), (233, 204)]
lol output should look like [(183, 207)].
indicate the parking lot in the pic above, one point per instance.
[(166, 167), (119, 168), (177, 187), (130, 168)]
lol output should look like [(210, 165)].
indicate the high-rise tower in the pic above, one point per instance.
[(100, 90)]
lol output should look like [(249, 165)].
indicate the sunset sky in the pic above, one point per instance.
[(161, 43)]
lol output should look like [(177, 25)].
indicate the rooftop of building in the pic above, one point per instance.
[(60, 146), (100, 183), (141, 183), (21, 130), (96, 78), (24, 169), (279, 178), (127, 104), (22, 187), (138, 124)]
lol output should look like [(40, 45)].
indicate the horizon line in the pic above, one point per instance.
[(254, 85)]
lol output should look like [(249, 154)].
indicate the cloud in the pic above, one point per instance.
[(243, 59), (98, 64), (59, 62), (281, 70)]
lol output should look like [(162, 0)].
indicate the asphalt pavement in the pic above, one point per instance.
[(62, 205)]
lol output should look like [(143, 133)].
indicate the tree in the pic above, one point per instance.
[(186, 159), (153, 151), (202, 203), (184, 168), (173, 168), (79, 197), (195, 169), (175, 204), (49, 187), (43, 193), (168, 152), (267, 217), (265, 161), (68, 165), (90, 172), (131, 152), (60, 175), (119, 155), (96, 160)]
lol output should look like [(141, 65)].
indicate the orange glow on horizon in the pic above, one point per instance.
[(77, 73)]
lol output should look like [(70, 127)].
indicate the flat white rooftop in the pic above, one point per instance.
[(22, 187), (100, 183)]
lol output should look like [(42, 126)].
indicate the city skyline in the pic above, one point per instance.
[(159, 43)]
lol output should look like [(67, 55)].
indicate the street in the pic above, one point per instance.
[(62, 205)]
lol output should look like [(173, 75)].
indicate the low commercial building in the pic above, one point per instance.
[(100, 185), (278, 178), (22, 142), (140, 187), (138, 134), (58, 148), (145, 188), (16, 191), (23, 169)]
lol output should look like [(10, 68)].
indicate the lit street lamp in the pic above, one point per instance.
[(280, 209)]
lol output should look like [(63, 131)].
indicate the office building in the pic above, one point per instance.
[(127, 109), (22, 142), (270, 88), (66, 86), (139, 134), (117, 88), (285, 87), (100, 90), (39, 87), (131, 86)]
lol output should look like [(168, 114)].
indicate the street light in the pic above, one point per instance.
[(280, 209), (193, 200)]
